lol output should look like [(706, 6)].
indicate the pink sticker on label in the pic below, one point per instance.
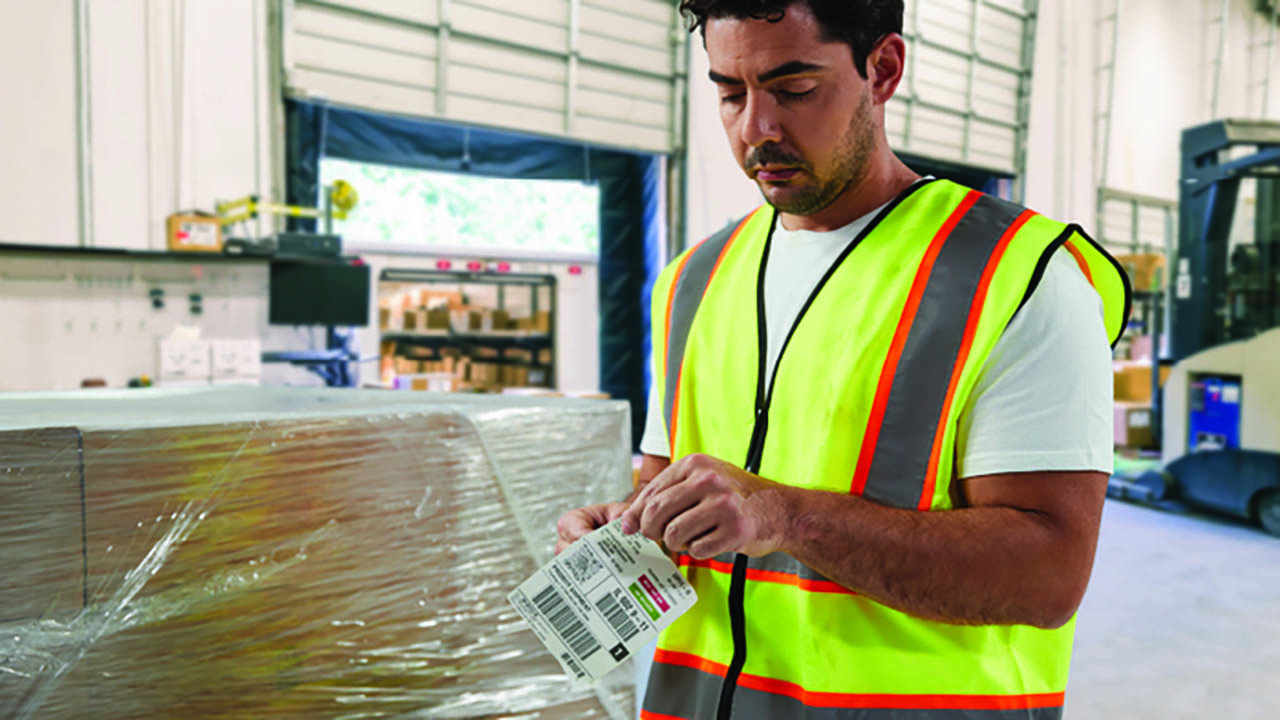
[(660, 601)]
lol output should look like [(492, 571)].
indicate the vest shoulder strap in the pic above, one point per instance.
[(692, 276)]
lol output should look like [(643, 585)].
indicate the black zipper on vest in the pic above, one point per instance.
[(760, 428)]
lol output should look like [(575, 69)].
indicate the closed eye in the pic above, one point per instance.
[(796, 95)]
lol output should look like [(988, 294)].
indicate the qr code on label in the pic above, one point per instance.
[(583, 565)]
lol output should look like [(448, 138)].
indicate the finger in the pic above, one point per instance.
[(665, 479), (690, 526), (711, 544), (665, 506), (560, 546), (574, 524)]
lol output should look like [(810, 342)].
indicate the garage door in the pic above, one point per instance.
[(964, 97), (608, 72)]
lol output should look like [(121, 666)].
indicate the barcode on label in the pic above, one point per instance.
[(583, 565), (617, 617), (573, 665), (565, 623)]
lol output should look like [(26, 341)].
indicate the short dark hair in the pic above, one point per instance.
[(857, 23)]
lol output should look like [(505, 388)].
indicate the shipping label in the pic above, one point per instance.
[(601, 600)]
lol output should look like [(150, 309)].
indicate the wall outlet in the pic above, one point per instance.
[(241, 359), (183, 360)]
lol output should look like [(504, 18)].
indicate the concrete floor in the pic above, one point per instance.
[(1182, 620)]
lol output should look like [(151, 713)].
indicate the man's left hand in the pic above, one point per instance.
[(704, 506)]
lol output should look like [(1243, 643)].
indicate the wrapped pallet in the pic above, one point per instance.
[(287, 553)]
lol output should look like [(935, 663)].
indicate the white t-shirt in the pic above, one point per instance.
[(1043, 401)]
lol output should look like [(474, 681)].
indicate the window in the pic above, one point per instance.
[(450, 212)]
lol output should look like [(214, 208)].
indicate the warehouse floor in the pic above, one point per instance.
[(1182, 620)]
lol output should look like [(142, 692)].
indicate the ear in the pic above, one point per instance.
[(885, 65)]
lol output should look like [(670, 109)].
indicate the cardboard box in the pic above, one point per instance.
[(519, 355), (544, 356), (1133, 380), (384, 318), (1133, 425), (437, 319), (218, 567), (437, 300), (195, 233), (524, 323), (1146, 270), (407, 366), (542, 321), (413, 320), (500, 320)]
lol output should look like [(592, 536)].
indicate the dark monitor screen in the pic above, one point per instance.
[(318, 293)]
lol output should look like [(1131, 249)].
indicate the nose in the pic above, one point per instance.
[(760, 123)]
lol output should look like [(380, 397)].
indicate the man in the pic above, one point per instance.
[(880, 428)]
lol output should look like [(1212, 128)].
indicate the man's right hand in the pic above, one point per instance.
[(577, 523)]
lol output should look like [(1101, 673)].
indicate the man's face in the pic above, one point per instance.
[(798, 115)]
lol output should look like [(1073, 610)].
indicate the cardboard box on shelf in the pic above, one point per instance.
[(524, 323), (519, 355), (544, 356), (194, 233), (1133, 425), (437, 319), (1133, 380), (407, 366), (519, 376), (1146, 270), (436, 300), (414, 320), (500, 320), (542, 321), (384, 318)]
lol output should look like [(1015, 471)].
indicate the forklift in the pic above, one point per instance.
[(1217, 416)]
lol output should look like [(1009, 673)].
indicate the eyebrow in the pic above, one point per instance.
[(795, 67)]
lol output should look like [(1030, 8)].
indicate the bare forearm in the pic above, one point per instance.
[(988, 565)]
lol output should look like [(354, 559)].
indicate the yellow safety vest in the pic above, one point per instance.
[(865, 398)]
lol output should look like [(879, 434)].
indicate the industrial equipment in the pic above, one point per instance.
[(1219, 410)]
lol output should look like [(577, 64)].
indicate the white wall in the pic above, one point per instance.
[(38, 197), (1163, 84), (176, 99)]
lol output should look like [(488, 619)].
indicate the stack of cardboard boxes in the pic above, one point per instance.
[(451, 369), (288, 553), (1133, 408)]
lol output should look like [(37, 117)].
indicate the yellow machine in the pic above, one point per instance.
[(340, 199)]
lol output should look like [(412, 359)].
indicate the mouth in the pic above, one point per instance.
[(776, 174)]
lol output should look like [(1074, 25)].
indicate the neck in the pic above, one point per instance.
[(885, 179)]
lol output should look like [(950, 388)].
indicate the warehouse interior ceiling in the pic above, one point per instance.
[(629, 189)]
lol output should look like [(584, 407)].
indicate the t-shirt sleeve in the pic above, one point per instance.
[(654, 441), (1044, 399)]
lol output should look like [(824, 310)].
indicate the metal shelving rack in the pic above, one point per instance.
[(497, 339)]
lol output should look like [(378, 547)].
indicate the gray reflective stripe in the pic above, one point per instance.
[(683, 692), (778, 562), (783, 563), (920, 382), (689, 287)]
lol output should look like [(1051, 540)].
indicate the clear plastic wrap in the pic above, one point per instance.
[(287, 553)]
